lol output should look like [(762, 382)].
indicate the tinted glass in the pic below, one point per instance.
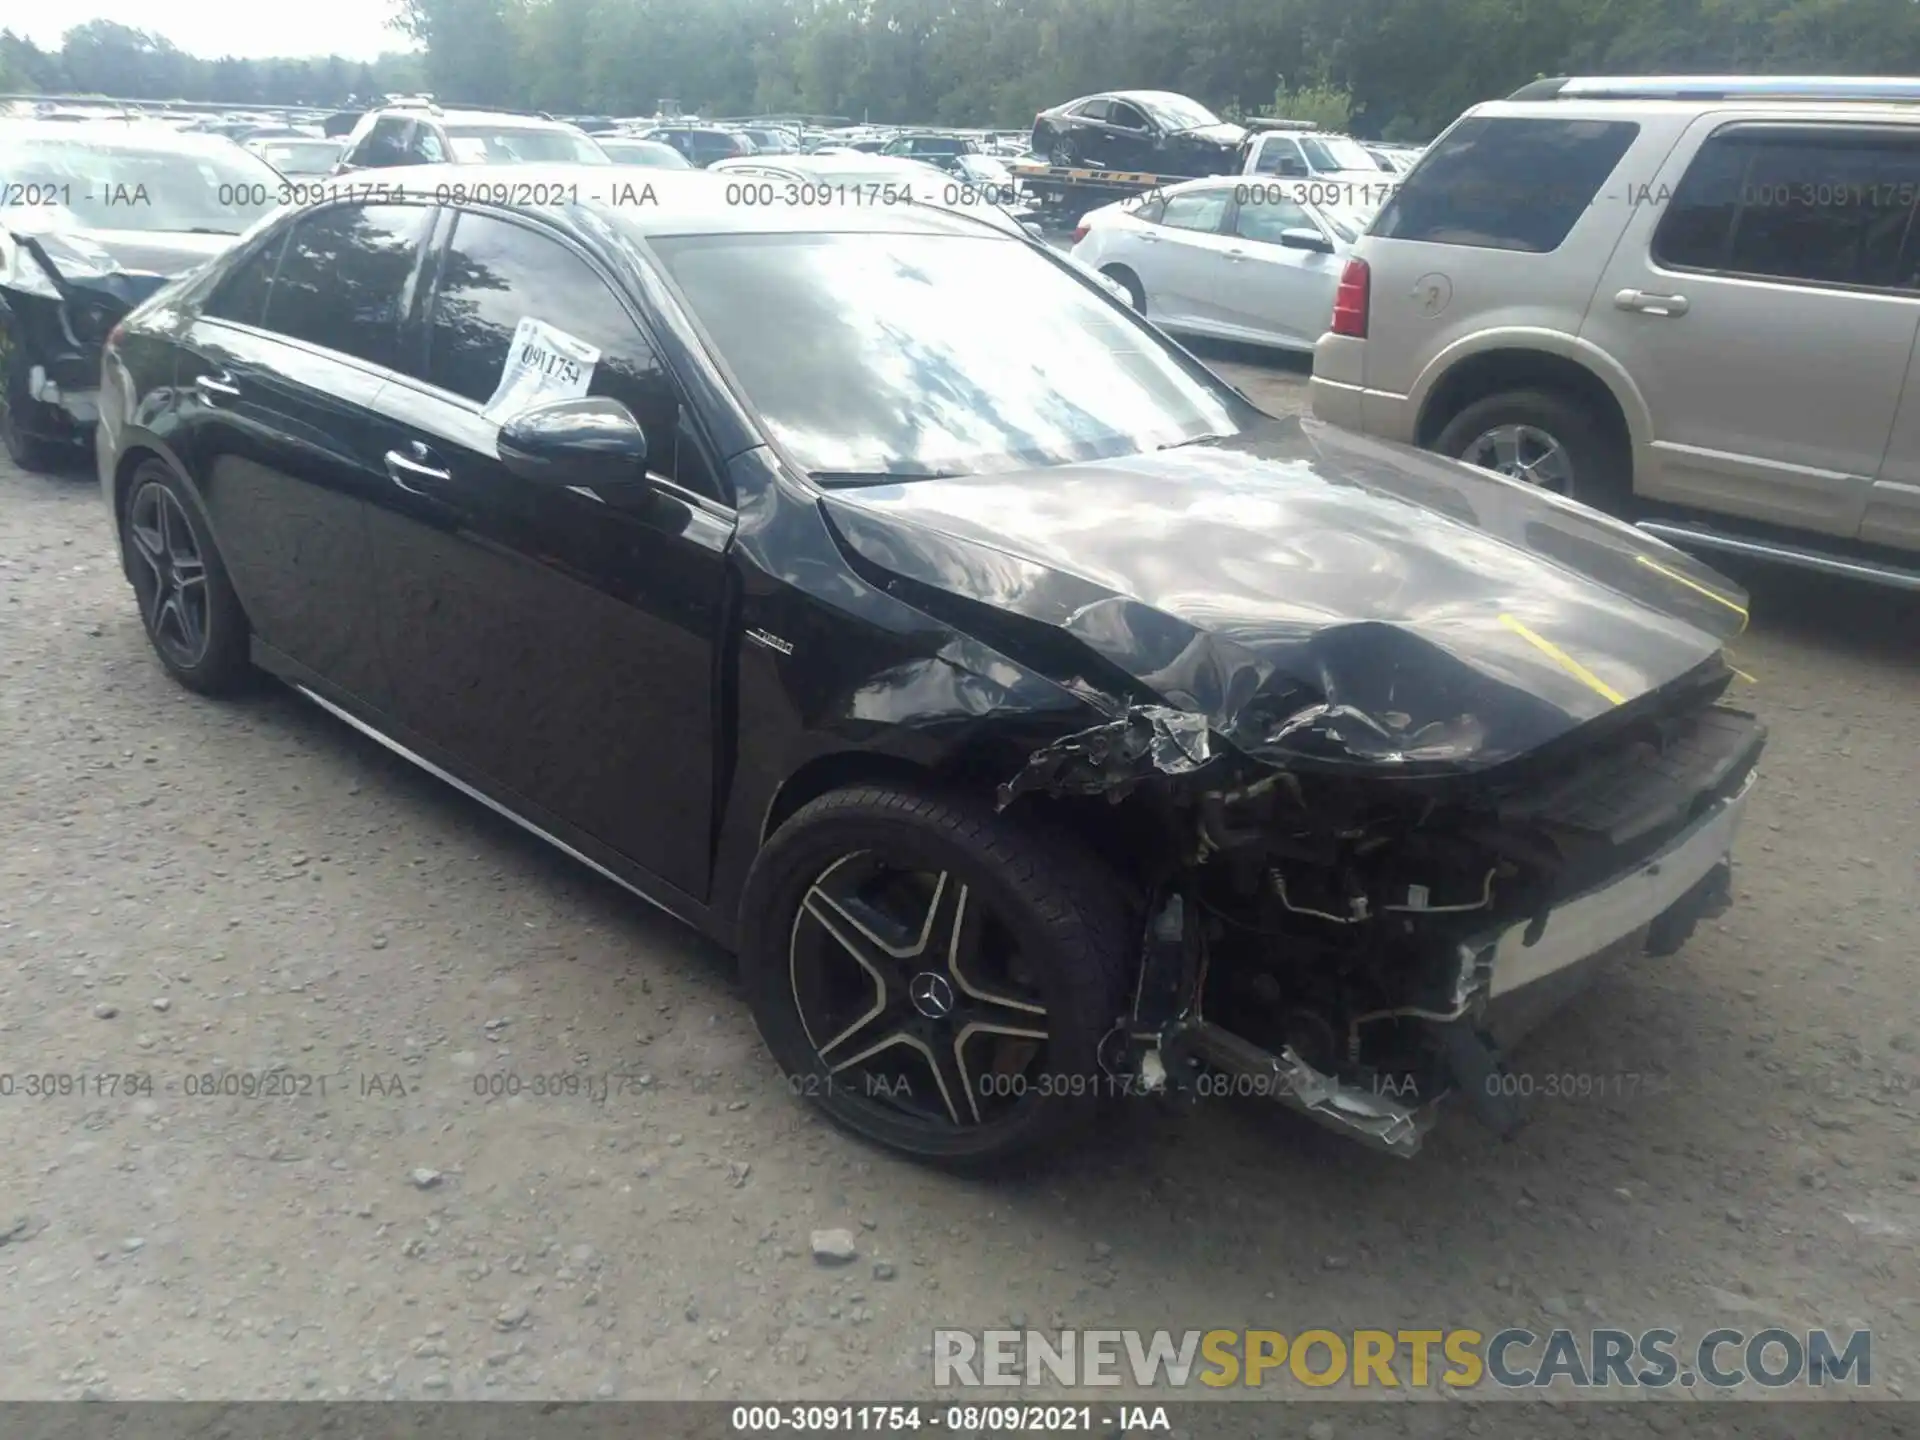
[(114, 178), (1177, 112), (913, 355), (512, 145), (343, 283), (497, 274), (1265, 220), (1506, 183), (242, 296), (1834, 207), (1280, 157), (1126, 115), (1196, 210), (1094, 110), (386, 143)]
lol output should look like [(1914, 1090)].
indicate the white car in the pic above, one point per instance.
[(1231, 257)]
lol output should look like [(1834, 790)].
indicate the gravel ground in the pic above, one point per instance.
[(193, 889)]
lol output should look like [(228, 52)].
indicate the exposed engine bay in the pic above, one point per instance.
[(1359, 947)]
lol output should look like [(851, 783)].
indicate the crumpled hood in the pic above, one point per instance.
[(1316, 595), (1223, 134)]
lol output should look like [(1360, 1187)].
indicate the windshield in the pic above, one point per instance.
[(910, 356), (1176, 112), (300, 155), (508, 145), (1347, 224), (113, 182), (1336, 152)]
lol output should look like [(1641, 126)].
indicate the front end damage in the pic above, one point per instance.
[(59, 297), (1358, 943)]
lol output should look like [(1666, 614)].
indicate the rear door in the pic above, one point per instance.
[(1269, 289), (1764, 312), (557, 647), (278, 377), (1182, 259)]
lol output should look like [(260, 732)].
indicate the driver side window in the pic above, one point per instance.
[(1265, 221)]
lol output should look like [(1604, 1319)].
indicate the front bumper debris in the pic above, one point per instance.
[(1650, 909)]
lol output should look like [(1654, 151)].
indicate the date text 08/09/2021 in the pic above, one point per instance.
[(829, 1419)]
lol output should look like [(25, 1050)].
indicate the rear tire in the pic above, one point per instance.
[(1597, 471), (1130, 282), (1026, 941), (187, 604), (1063, 152)]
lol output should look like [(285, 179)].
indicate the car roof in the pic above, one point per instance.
[(687, 202)]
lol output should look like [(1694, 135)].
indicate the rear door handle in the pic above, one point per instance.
[(1641, 302), (216, 387), (1236, 255), (1147, 237), (409, 472)]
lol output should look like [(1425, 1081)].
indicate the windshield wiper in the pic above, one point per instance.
[(849, 479), (204, 230)]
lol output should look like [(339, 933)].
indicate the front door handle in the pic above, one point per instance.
[(410, 471), (1147, 237), (1236, 255), (216, 387), (1643, 303)]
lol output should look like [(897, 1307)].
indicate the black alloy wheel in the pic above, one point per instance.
[(930, 975), (187, 605)]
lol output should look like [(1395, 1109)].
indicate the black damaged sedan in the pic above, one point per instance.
[(1039, 721)]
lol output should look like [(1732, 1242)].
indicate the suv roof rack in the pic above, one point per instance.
[(1722, 87)]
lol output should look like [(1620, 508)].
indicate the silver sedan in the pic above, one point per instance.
[(1233, 257)]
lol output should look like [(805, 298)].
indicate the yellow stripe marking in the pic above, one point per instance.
[(1566, 662), (1695, 585), (1743, 675)]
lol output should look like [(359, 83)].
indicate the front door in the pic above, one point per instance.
[(557, 647), (1275, 290)]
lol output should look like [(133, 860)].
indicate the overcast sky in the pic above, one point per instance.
[(356, 29)]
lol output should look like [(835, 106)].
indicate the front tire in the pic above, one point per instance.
[(1544, 438), (1129, 282), (188, 607), (931, 975)]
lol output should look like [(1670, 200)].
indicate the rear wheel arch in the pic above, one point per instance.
[(1492, 371), (1130, 282)]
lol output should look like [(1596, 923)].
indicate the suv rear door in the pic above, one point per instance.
[(1757, 301), (1494, 243)]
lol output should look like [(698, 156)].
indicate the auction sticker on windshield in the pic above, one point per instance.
[(543, 365)]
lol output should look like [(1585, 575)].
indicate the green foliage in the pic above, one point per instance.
[(1327, 106), (1396, 68)]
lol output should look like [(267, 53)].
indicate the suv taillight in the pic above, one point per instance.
[(1350, 300), (1080, 232)]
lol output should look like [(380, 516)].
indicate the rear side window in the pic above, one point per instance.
[(345, 282), (1506, 182), (1196, 210), (1827, 206), (242, 296)]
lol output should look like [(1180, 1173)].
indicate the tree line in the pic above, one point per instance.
[(1397, 69)]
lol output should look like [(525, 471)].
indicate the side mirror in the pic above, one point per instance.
[(1306, 240), (592, 443)]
